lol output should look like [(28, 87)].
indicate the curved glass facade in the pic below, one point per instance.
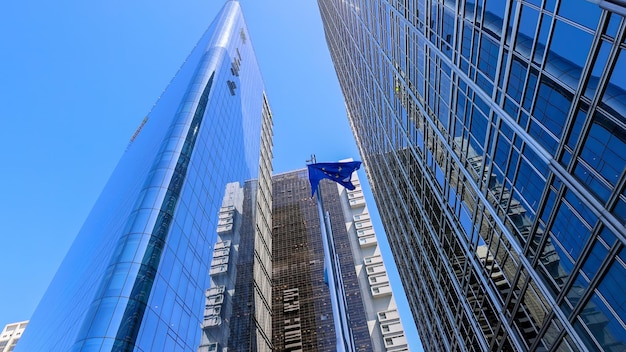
[(493, 135), (137, 274)]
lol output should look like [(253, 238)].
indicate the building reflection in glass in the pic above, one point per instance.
[(495, 149)]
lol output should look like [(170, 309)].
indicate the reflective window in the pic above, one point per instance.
[(487, 193), (542, 38), (568, 236), (601, 160), (582, 12), (488, 58), (595, 258), (613, 303), (568, 59), (602, 319), (527, 27), (551, 108), (516, 80)]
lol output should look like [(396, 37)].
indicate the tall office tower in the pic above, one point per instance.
[(303, 316), (137, 276), (11, 334), (493, 133)]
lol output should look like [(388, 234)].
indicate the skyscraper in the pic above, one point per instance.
[(11, 334), (303, 316), (138, 274), (493, 134)]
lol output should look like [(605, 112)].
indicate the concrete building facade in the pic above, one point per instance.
[(11, 334)]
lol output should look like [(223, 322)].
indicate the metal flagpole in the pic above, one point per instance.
[(332, 270)]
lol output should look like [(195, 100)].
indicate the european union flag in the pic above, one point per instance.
[(338, 172)]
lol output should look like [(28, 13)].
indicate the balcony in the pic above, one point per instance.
[(356, 193), (357, 203), (388, 315), (365, 232), (376, 270), (381, 291), (391, 328), (377, 280), (365, 224), (395, 343), (226, 213), (219, 260), (368, 241), (211, 321), (227, 209), (222, 244), (218, 269), (213, 310), (360, 217), (225, 229), (216, 290), (212, 347), (215, 300), (226, 218), (373, 260), (221, 252)]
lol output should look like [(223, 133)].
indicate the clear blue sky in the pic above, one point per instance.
[(76, 79)]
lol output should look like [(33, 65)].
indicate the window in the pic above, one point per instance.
[(215, 290)]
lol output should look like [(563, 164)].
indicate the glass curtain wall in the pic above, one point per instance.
[(493, 133)]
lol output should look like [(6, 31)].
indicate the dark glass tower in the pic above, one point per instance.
[(493, 133), (303, 315), (137, 277)]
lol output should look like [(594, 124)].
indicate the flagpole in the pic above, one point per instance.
[(332, 269)]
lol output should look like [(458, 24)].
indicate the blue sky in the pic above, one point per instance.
[(77, 78)]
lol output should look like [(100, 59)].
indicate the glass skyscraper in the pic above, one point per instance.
[(494, 136), (303, 316), (144, 265)]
